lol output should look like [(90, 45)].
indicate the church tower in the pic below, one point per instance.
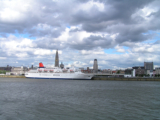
[(56, 59)]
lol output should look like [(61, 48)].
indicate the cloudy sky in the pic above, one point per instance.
[(118, 33)]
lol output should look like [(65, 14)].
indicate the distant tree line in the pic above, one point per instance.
[(157, 75), (3, 71)]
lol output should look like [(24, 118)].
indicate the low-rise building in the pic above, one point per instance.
[(114, 72), (139, 70), (120, 71), (8, 68), (157, 70), (18, 70), (87, 71), (128, 71), (107, 71)]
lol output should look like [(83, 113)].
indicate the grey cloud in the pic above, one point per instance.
[(75, 30), (49, 43), (91, 43), (116, 18)]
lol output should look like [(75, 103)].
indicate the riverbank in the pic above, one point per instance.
[(101, 78), (126, 79), (12, 76)]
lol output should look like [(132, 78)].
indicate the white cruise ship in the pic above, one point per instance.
[(57, 73)]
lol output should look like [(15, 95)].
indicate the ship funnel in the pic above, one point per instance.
[(41, 65)]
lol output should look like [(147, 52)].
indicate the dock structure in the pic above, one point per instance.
[(105, 74)]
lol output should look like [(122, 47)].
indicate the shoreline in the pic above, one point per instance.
[(126, 79), (100, 78), (12, 76)]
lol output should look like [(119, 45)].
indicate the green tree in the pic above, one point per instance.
[(3, 71)]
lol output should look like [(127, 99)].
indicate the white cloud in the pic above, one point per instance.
[(146, 48), (87, 6), (145, 12), (43, 27), (114, 36), (21, 55), (96, 52), (2, 57), (120, 49), (43, 52), (78, 64), (14, 10)]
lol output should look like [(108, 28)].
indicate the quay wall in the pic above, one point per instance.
[(12, 76), (102, 78), (126, 79)]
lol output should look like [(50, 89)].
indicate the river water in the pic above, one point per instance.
[(45, 99)]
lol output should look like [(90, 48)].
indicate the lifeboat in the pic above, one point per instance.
[(71, 71), (45, 70), (51, 70), (64, 70), (40, 70)]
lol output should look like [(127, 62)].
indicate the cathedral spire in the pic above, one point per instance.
[(57, 59)]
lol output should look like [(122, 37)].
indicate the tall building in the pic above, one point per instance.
[(95, 65), (148, 66), (57, 59)]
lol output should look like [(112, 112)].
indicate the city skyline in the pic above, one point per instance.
[(119, 34)]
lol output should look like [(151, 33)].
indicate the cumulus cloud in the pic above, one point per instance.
[(119, 49), (83, 30)]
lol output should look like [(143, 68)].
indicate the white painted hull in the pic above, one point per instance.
[(74, 76)]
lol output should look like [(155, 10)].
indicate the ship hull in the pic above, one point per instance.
[(69, 76)]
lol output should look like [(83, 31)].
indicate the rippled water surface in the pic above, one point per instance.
[(44, 99)]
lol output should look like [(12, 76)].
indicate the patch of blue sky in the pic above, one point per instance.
[(111, 51), (68, 26), (21, 35), (153, 40), (114, 51), (150, 41), (149, 32), (125, 47), (156, 36), (76, 51)]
